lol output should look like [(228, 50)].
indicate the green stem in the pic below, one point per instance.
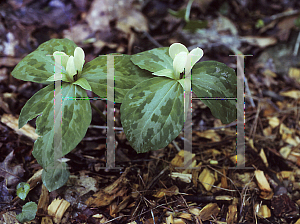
[(99, 112), (188, 10)]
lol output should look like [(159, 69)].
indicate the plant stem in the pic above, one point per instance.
[(188, 10), (99, 112)]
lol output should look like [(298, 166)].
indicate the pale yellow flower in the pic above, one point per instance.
[(72, 64), (183, 60)]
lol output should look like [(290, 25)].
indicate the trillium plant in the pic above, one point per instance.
[(149, 85)]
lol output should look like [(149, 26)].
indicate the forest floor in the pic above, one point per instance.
[(149, 187)]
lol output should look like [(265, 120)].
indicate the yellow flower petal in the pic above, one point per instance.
[(61, 57), (78, 58), (192, 58), (70, 67), (179, 63), (176, 48), (196, 55)]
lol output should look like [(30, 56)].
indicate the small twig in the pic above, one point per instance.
[(105, 127), (297, 45), (253, 127), (153, 41), (188, 10), (152, 216), (176, 146), (156, 178), (283, 14), (249, 93)]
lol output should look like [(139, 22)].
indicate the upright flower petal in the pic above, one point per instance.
[(196, 55), (176, 48), (192, 58), (78, 58), (179, 63), (61, 57), (71, 70)]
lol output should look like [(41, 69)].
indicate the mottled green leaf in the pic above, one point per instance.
[(39, 65), (95, 73), (36, 104), (153, 60), (211, 79), (225, 110), (56, 77), (55, 176), (83, 83), (152, 113), (76, 117), (28, 212), (22, 190), (127, 75), (166, 73)]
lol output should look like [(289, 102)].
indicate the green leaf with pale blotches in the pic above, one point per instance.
[(126, 75), (55, 176), (212, 79), (76, 117), (39, 65), (153, 60), (58, 77), (83, 83), (166, 73), (152, 113)]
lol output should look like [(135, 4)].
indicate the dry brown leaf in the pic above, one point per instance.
[(12, 122), (207, 179), (294, 73), (132, 19), (184, 177), (274, 122), (178, 160), (102, 12), (285, 151), (261, 42), (105, 196), (11, 172), (77, 33), (167, 192), (9, 61), (209, 134), (295, 94), (285, 26), (10, 217), (264, 212), (209, 211), (57, 209), (263, 184), (43, 200), (231, 217), (222, 23)]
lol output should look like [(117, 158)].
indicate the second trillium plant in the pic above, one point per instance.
[(149, 86)]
